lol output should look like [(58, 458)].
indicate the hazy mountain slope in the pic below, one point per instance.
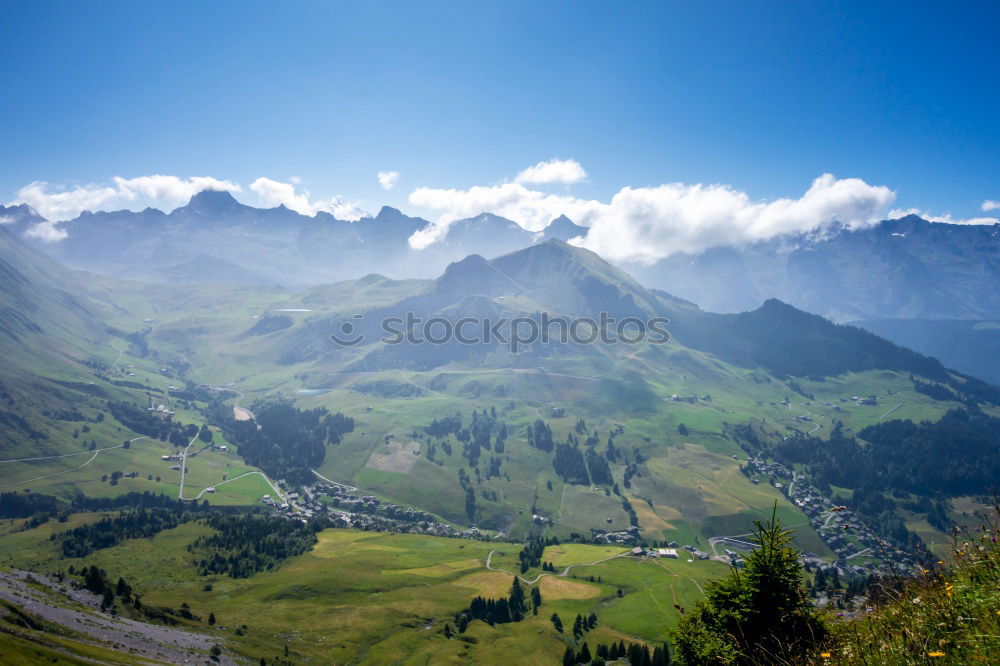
[(51, 324), (560, 279), (38, 300), (900, 268), (666, 409), (970, 346), (18, 219), (906, 267)]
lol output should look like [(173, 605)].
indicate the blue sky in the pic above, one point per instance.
[(763, 97)]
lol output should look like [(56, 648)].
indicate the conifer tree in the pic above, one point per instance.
[(557, 623), (516, 601)]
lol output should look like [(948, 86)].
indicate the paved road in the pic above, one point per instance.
[(346, 487), (184, 453), (275, 488)]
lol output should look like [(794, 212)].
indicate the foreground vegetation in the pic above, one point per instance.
[(949, 614), (761, 615), (375, 597)]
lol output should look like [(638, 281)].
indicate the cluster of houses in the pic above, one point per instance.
[(842, 530), (160, 409), (625, 537), (689, 398), (349, 509)]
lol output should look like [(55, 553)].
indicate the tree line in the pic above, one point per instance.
[(504, 610), (245, 543), (283, 441)]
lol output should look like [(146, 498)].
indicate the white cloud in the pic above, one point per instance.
[(388, 179), (58, 203), (947, 218), (6, 219), (552, 171), (990, 204), (47, 231), (170, 191), (532, 209), (274, 192), (648, 223)]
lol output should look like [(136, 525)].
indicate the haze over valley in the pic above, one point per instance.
[(700, 369)]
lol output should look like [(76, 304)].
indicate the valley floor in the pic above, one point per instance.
[(368, 597)]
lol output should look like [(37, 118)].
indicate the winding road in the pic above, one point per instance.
[(97, 452), (346, 487), (222, 483), (564, 573)]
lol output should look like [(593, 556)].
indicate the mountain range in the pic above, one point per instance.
[(204, 395), (907, 273)]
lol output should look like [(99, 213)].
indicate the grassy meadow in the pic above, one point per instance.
[(368, 597)]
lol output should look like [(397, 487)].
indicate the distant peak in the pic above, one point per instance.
[(212, 201), (473, 260), (372, 278), (388, 212), (564, 228)]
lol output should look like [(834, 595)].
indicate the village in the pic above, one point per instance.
[(366, 512), (842, 530)]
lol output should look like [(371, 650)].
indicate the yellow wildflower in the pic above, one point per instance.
[(825, 655), (935, 654)]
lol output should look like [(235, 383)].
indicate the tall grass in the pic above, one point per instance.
[(949, 614)]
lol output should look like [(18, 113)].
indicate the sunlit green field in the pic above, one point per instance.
[(374, 597)]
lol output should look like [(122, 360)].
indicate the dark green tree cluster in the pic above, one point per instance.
[(449, 425), (151, 424), (22, 505), (637, 654), (108, 532), (953, 456), (487, 431), (600, 472), (583, 624), (540, 435), (246, 544), (96, 580), (531, 554), (760, 614), (633, 519), (570, 466), (289, 442), (513, 608)]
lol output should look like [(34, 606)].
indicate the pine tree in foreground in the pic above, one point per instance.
[(760, 614)]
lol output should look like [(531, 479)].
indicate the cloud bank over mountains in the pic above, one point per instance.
[(636, 224), (645, 224), (947, 218), (59, 203), (276, 193)]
